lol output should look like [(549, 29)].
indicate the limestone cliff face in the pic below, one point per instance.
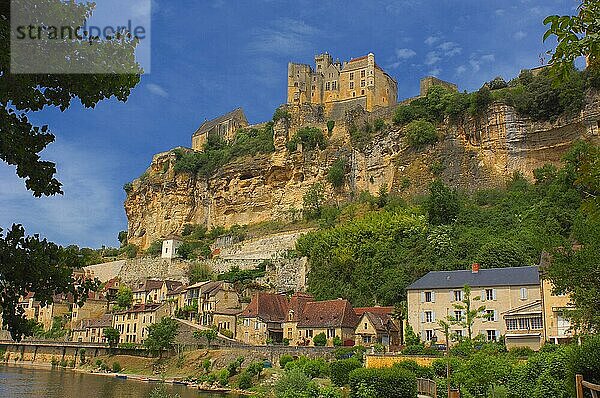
[(481, 153)]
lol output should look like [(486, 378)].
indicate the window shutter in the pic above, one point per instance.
[(433, 297), (422, 297), (423, 337), (432, 316), (422, 317), (494, 294), (483, 295), (451, 295), (495, 315)]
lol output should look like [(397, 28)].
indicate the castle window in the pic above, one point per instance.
[(362, 83), (351, 85), (354, 93), (362, 73), (351, 75), (362, 92), (296, 84)]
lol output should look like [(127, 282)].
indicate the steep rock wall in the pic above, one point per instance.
[(483, 152)]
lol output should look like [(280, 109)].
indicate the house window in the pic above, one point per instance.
[(366, 339), (428, 334), (246, 322), (524, 323), (458, 315), (523, 293), (366, 326), (512, 324), (330, 333), (362, 92), (490, 315), (256, 325), (536, 323), (351, 75), (428, 316), (429, 297), (354, 94), (457, 295), (362, 83), (362, 73), (490, 294), (309, 333), (334, 85), (351, 85), (458, 333), (289, 333), (327, 86), (491, 335)]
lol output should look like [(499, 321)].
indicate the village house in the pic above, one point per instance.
[(261, 321), (501, 290), (60, 308), (169, 247), (94, 307), (218, 300), (154, 291), (92, 330), (132, 324), (296, 306), (30, 306), (377, 326), (111, 289), (334, 318)]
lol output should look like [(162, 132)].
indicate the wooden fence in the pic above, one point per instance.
[(427, 387), (582, 384)]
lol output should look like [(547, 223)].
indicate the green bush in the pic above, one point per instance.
[(311, 367), (384, 383), (362, 136), (223, 377), (320, 340), (244, 381), (294, 383), (340, 370), (155, 249), (425, 372), (337, 173), (420, 133), (285, 359), (116, 367), (330, 127), (281, 113), (309, 137)]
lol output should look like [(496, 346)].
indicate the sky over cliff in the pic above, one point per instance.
[(209, 57)]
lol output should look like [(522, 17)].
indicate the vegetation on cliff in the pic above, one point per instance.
[(217, 152), (375, 248)]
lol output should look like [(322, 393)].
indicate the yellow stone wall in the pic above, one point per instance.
[(381, 361)]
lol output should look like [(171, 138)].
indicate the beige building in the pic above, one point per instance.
[(557, 326), (218, 300), (334, 318), (224, 126), (359, 81), (170, 246), (154, 291), (94, 308), (376, 326), (59, 308), (501, 290), (92, 330), (132, 324), (261, 321)]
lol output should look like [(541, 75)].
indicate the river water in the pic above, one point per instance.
[(19, 382)]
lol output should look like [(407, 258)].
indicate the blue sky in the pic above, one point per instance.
[(209, 57)]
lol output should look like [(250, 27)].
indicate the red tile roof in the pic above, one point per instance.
[(326, 314), (297, 303), (381, 322), (375, 310), (141, 308), (268, 307)]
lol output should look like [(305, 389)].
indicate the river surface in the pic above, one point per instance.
[(21, 382)]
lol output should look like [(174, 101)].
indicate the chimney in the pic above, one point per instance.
[(475, 268)]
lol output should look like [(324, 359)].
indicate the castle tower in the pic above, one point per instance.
[(299, 83), (322, 62)]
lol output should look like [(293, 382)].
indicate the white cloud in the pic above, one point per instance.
[(405, 53), (488, 58), (286, 36), (435, 72), (520, 35), (431, 40), (450, 48), (500, 12), (157, 90), (433, 57), (476, 60), (461, 69)]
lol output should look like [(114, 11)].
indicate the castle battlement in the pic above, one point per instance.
[(359, 81)]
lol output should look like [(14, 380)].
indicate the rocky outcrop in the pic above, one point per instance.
[(483, 152)]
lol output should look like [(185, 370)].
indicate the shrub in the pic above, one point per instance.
[(244, 382), (227, 333), (379, 124), (223, 377), (281, 113), (361, 137), (330, 127), (116, 367), (320, 340), (384, 383), (154, 249), (420, 133), (311, 367), (63, 363), (309, 137), (337, 173), (425, 372), (341, 369), (337, 341), (294, 383), (285, 359)]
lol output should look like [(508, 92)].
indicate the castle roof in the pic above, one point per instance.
[(209, 124)]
